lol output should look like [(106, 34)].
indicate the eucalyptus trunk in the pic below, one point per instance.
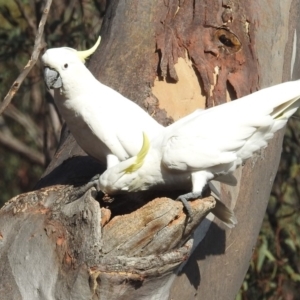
[(170, 57)]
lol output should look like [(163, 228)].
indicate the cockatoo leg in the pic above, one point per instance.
[(200, 181), (185, 198), (94, 182)]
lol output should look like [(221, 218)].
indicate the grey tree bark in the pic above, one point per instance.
[(169, 57)]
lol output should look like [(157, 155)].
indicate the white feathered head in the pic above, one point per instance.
[(61, 61)]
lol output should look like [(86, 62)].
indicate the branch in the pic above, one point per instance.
[(15, 145), (9, 141), (26, 122), (34, 57), (26, 16)]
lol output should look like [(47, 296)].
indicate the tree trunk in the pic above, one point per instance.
[(169, 57)]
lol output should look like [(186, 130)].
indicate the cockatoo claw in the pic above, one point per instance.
[(185, 201), (93, 183), (186, 205), (185, 198)]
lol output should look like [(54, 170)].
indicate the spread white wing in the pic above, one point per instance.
[(229, 133)]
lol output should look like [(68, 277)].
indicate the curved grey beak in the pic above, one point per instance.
[(52, 78)]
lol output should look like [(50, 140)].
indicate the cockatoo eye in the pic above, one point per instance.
[(65, 66)]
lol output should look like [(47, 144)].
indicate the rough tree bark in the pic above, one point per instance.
[(170, 57)]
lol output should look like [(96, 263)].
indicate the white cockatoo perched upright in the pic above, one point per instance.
[(208, 144), (104, 123)]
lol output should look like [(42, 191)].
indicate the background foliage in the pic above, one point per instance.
[(30, 127)]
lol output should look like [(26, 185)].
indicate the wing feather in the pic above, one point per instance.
[(229, 132)]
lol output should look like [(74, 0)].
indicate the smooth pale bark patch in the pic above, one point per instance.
[(182, 97)]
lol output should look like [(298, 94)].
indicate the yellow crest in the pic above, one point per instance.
[(83, 55), (140, 156)]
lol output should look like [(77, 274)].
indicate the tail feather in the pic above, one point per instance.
[(283, 112), (286, 109), (228, 179), (262, 135), (225, 214)]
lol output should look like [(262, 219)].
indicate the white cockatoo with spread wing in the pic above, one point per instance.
[(105, 124), (206, 145)]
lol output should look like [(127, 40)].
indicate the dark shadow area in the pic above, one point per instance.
[(73, 171), (127, 203), (199, 78), (231, 91), (79, 170), (214, 243), (119, 204)]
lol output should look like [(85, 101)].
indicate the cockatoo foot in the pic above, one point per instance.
[(94, 182), (185, 198), (186, 205), (185, 201)]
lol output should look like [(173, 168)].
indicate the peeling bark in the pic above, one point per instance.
[(56, 243), (226, 40)]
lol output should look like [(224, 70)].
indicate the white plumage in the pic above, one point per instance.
[(104, 123), (208, 144), (205, 145)]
